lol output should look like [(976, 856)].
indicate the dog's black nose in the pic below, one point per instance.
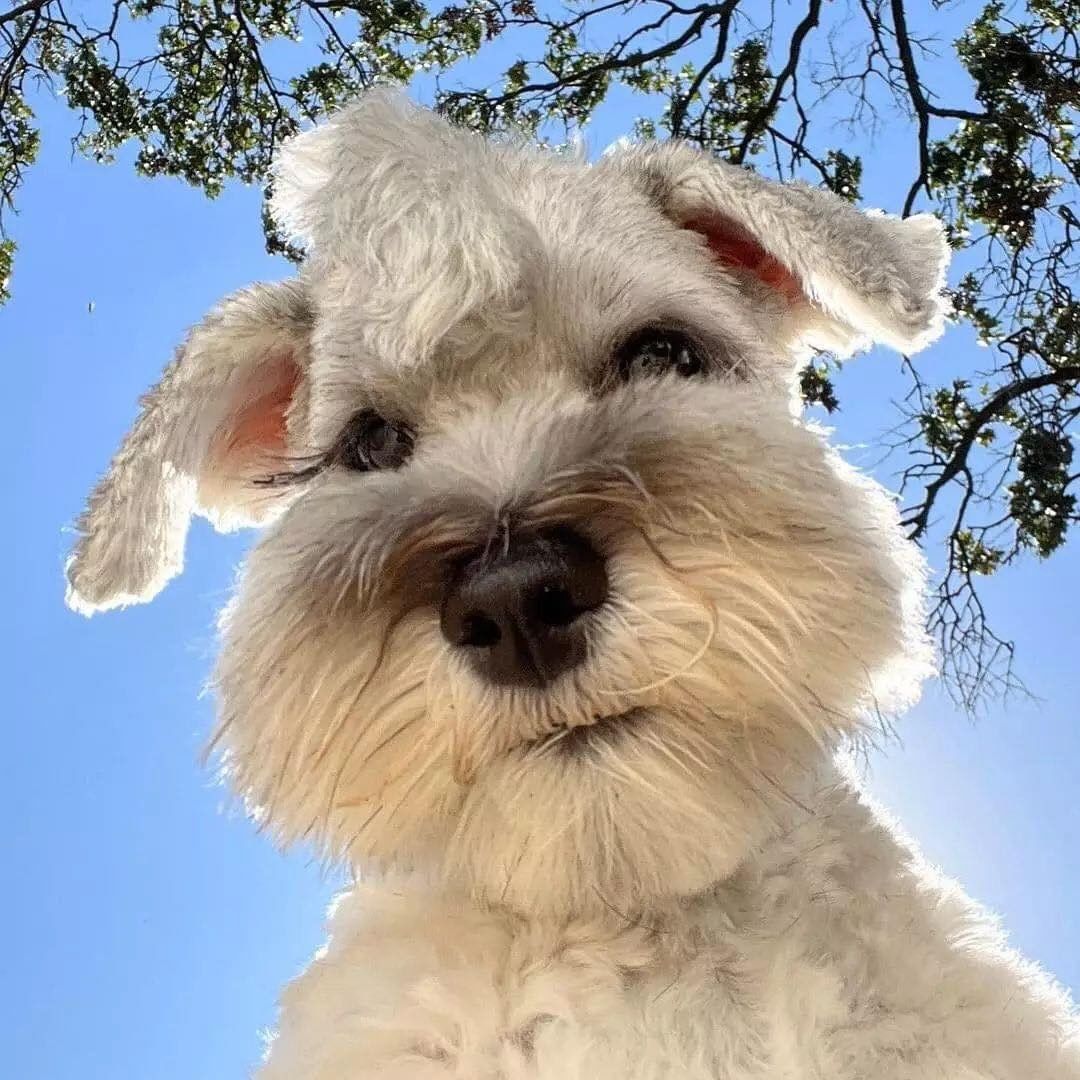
[(518, 608)]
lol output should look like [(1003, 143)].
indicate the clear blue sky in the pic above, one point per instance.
[(148, 927)]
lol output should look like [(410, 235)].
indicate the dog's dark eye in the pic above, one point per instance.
[(656, 351), (371, 442)]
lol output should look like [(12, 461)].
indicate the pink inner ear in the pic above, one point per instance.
[(732, 246), (258, 425)]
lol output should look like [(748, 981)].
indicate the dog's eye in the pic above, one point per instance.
[(656, 351), (371, 442)]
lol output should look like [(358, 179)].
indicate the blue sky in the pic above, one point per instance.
[(149, 927)]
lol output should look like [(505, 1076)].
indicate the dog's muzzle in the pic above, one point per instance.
[(519, 610)]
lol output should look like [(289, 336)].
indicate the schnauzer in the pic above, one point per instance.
[(560, 616)]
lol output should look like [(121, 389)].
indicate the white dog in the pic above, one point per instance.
[(560, 616)]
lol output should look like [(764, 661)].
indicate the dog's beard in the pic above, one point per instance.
[(755, 592)]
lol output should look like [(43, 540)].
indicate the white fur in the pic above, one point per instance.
[(691, 891), (835, 953)]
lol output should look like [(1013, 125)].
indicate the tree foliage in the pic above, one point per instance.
[(206, 90)]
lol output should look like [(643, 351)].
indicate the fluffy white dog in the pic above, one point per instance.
[(560, 617)]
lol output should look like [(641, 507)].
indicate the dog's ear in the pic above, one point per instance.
[(841, 277), (217, 421)]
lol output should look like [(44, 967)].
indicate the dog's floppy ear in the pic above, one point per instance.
[(216, 421), (844, 278)]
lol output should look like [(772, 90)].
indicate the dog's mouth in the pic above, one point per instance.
[(577, 740)]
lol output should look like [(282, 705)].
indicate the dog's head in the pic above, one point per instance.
[(557, 594)]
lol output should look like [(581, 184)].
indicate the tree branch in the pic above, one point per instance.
[(22, 9), (919, 521), (756, 124)]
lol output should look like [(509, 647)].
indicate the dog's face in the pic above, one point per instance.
[(557, 595)]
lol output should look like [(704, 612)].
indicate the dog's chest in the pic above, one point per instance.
[(708, 1017), (473, 997), (745, 1010)]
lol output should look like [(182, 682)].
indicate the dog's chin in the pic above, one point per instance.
[(626, 809)]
